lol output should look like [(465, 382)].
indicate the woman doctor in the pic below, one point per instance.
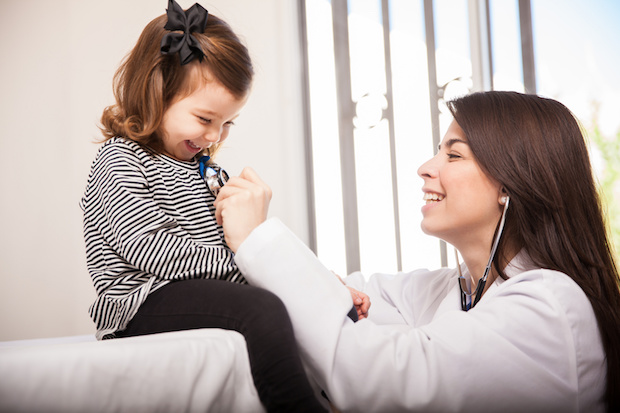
[(529, 322)]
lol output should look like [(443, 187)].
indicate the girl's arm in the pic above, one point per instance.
[(120, 202), (361, 301)]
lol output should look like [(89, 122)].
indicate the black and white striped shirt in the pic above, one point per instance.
[(148, 220)]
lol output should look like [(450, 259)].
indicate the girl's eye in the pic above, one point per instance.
[(230, 123), (204, 120)]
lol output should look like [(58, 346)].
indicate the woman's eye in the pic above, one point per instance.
[(454, 156)]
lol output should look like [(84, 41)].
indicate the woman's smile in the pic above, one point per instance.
[(431, 199)]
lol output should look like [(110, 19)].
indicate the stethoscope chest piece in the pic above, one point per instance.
[(215, 177)]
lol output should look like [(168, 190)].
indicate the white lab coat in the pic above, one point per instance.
[(531, 344)]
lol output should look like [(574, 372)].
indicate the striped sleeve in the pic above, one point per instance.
[(139, 229)]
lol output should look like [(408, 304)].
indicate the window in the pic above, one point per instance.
[(378, 72)]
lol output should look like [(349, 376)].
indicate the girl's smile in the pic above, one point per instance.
[(192, 147)]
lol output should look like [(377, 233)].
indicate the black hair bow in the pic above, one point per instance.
[(190, 21)]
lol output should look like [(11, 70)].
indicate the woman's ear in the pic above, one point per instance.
[(503, 196)]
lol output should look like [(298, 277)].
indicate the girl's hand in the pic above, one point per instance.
[(361, 302), (241, 206)]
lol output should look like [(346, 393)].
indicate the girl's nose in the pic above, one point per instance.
[(213, 136)]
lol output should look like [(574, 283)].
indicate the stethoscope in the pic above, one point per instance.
[(469, 300), (215, 177)]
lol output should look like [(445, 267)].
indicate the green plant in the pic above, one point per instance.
[(609, 180)]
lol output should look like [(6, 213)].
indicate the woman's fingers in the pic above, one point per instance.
[(241, 206)]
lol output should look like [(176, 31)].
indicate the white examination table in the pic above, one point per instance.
[(203, 370)]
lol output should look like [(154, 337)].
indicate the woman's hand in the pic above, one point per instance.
[(241, 206)]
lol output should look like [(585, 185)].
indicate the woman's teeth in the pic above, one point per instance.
[(432, 197)]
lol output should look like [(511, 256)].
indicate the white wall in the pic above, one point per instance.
[(57, 60)]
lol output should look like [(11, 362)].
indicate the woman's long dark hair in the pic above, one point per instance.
[(535, 148)]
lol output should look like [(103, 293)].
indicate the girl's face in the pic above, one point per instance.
[(196, 122), (462, 202)]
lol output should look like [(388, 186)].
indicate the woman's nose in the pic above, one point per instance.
[(429, 169)]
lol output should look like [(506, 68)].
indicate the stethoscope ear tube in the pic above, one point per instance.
[(482, 282)]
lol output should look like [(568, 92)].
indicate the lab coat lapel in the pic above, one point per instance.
[(452, 300)]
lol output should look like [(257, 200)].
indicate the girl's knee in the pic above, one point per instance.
[(267, 302)]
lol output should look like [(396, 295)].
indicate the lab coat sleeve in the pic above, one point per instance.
[(277, 260), (385, 308), (511, 353)]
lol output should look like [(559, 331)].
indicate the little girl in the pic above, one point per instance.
[(156, 256)]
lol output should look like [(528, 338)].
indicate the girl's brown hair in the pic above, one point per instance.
[(147, 81), (535, 148)]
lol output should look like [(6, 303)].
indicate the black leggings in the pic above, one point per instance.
[(256, 313)]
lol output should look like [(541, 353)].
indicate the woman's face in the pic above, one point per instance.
[(462, 202)]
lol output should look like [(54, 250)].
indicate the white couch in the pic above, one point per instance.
[(203, 370)]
